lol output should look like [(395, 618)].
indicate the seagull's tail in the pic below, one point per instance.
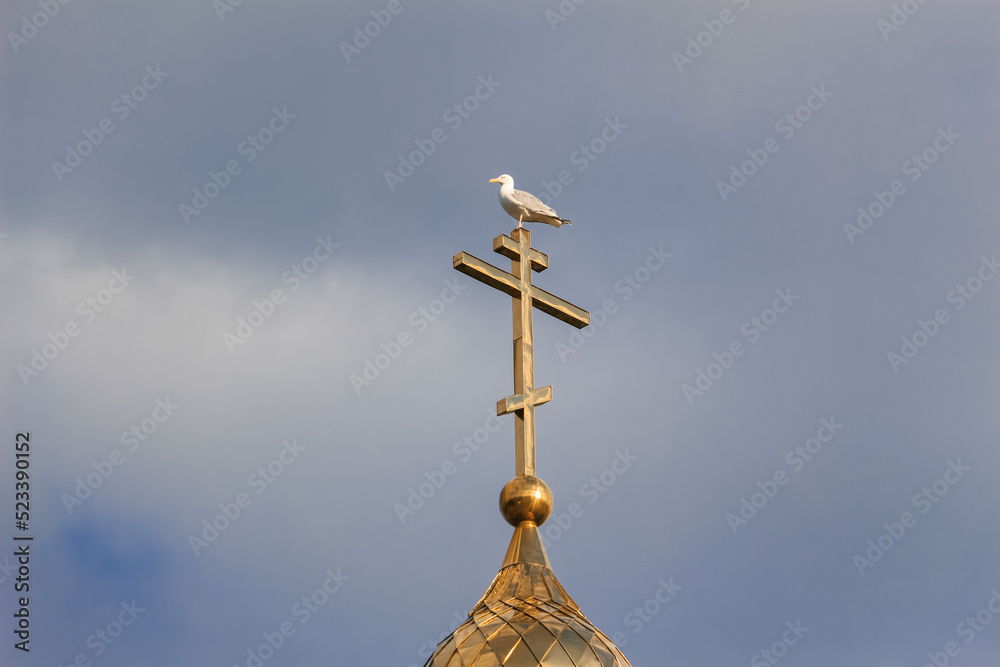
[(556, 221)]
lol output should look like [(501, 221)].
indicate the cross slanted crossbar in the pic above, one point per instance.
[(517, 283)]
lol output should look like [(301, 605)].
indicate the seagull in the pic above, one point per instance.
[(525, 206)]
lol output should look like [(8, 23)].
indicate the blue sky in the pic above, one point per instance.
[(202, 246)]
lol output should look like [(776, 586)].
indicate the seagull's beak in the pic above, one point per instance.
[(494, 180)]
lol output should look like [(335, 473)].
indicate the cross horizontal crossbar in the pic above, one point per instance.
[(505, 406), (510, 249), (504, 281)]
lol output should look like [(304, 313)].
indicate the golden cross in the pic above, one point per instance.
[(523, 260)]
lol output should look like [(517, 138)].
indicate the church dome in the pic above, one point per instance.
[(526, 619)]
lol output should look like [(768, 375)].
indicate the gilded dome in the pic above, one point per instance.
[(526, 619)]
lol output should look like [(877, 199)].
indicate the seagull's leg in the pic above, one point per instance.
[(519, 219)]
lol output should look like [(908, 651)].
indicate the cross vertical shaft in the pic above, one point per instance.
[(524, 365), (526, 297)]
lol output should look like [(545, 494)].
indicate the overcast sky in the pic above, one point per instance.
[(259, 396)]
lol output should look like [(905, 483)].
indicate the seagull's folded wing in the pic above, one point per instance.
[(531, 202)]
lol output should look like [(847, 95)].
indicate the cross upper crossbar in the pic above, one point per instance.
[(499, 279)]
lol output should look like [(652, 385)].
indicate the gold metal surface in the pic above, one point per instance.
[(526, 297), (526, 547), (499, 279), (525, 498), (526, 619)]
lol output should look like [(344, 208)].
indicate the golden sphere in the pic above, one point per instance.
[(525, 499)]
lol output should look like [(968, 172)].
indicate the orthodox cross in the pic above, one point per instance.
[(523, 260)]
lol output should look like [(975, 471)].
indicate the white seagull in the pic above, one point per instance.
[(525, 206)]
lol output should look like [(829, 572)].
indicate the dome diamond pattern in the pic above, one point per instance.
[(527, 619)]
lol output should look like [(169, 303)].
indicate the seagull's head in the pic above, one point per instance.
[(503, 179)]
